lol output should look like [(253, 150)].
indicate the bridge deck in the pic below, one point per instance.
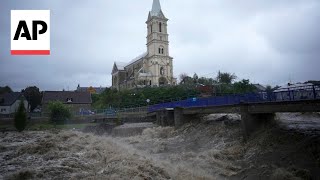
[(257, 108)]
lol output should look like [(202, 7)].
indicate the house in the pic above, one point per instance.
[(9, 103), (259, 88), (78, 102), (92, 90), (298, 91)]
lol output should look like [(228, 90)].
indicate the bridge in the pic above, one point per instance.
[(255, 109)]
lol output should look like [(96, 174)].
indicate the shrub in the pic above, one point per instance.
[(20, 118), (59, 112), (118, 121)]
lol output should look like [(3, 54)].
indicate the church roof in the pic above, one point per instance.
[(137, 58), (120, 65)]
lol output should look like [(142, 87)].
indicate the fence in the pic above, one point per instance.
[(240, 98), (290, 95)]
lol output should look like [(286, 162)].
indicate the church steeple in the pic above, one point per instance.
[(156, 8)]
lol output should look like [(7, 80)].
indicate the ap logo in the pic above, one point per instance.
[(30, 32)]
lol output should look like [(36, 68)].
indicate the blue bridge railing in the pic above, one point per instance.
[(240, 98)]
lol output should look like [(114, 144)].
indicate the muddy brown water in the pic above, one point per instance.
[(207, 150)]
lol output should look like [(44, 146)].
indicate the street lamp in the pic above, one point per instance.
[(148, 101)]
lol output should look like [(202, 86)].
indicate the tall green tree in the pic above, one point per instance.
[(225, 77), (33, 95), (20, 118), (195, 78)]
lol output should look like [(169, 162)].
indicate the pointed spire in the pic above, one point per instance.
[(156, 8)]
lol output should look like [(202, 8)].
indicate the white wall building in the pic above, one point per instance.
[(10, 102), (298, 91)]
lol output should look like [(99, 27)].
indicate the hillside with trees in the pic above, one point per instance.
[(189, 87)]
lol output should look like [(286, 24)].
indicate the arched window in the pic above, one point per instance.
[(161, 50), (151, 28), (160, 27), (162, 71)]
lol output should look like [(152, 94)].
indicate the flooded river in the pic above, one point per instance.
[(210, 149)]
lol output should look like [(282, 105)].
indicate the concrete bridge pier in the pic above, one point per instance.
[(165, 117), (253, 121), (180, 118)]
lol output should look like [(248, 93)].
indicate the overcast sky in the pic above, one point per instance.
[(269, 42)]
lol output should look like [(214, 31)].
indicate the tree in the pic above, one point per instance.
[(243, 86), (182, 76), (269, 89), (195, 78), (20, 118), (225, 77), (5, 89), (185, 79), (206, 81), (59, 112), (33, 95)]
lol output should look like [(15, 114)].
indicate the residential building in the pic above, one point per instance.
[(298, 91), (92, 90), (9, 103), (76, 101)]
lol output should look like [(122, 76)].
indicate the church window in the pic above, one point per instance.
[(144, 82), (161, 71), (150, 83), (151, 28), (160, 27), (161, 50)]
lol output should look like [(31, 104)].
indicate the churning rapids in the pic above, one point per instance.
[(210, 149)]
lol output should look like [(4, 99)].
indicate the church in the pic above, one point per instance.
[(152, 68)]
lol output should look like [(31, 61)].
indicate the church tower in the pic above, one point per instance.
[(159, 60), (152, 68)]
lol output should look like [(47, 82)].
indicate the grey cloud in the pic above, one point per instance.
[(266, 41)]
